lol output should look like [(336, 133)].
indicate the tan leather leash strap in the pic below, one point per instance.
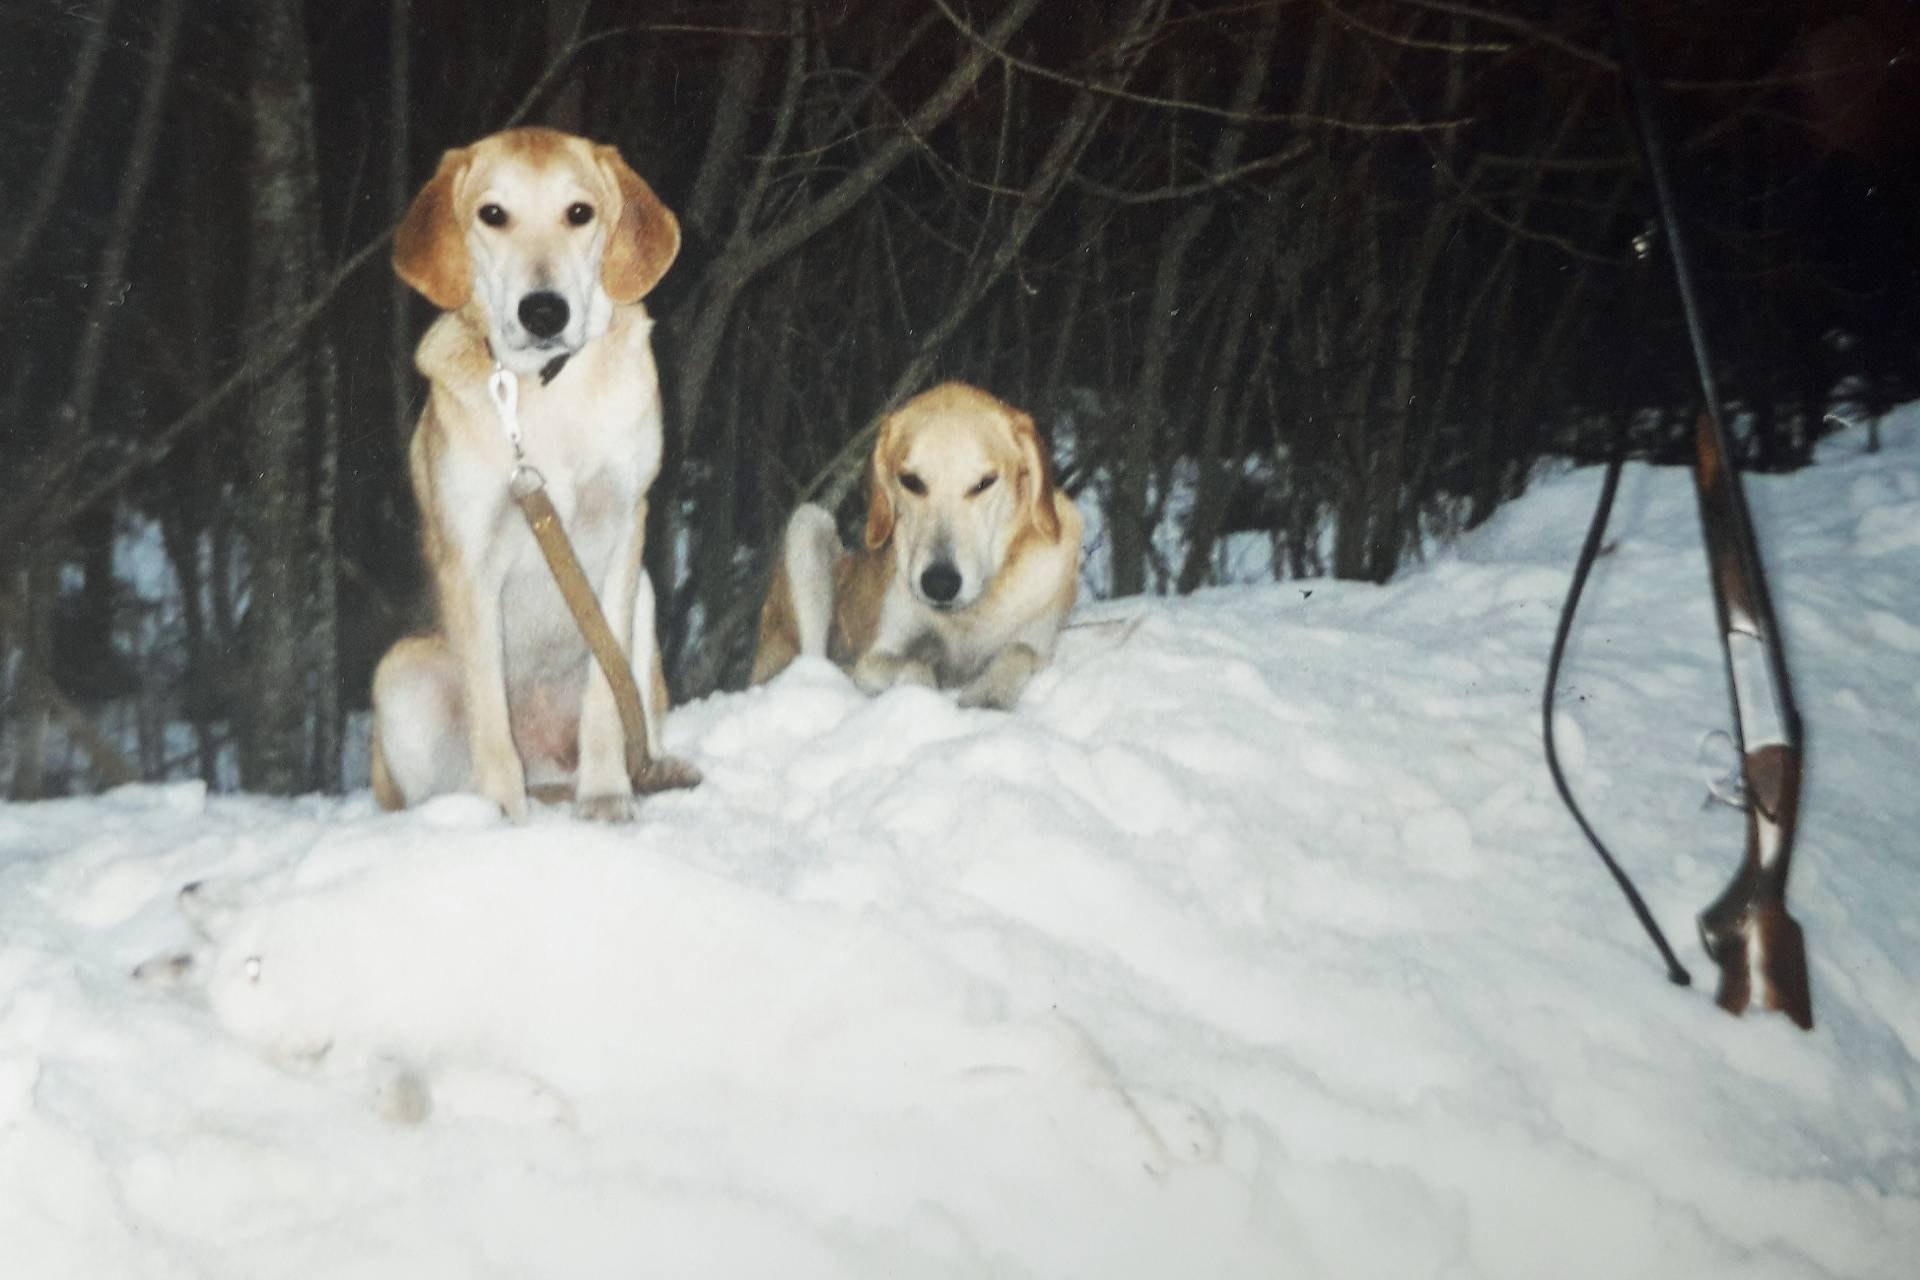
[(529, 491)]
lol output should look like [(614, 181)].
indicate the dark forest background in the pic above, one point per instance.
[(1349, 269)]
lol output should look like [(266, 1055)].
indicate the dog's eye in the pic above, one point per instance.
[(493, 215), (983, 484), (913, 484), (579, 213)]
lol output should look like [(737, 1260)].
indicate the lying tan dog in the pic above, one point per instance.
[(538, 246), (970, 564)]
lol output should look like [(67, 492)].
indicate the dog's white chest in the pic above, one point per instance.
[(585, 428)]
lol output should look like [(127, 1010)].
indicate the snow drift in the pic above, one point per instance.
[(1254, 943)]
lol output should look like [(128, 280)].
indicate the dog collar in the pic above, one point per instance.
[(548, 371)]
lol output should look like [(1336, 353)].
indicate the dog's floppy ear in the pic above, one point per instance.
[(430, 248), (646, 240), (1036, 479), (880, 497)]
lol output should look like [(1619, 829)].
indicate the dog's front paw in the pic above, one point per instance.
[(998, 688), (612, 808), (666, 773), (506, 786), (876, 673), (914, 671), (990, 696)]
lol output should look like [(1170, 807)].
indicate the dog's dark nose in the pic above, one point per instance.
[(543, 314), (941, 583)]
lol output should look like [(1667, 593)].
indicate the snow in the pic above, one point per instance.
[(1254, 943)]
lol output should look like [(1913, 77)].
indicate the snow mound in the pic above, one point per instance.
[(1254, 943)]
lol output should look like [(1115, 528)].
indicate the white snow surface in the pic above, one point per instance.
[(1254, 943)]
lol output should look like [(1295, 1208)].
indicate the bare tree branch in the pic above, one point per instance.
[(1346, 17), (1212, 182), (1248, 116)]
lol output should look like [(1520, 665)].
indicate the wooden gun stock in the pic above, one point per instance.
[(1747, 931)]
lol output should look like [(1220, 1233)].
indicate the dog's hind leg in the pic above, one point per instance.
[(799, 610), (811, 546), (419, 726)]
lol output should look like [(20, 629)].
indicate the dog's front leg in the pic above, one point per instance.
[(471, 604)]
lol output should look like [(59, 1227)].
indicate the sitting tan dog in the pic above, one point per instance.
[(970, 564), (538, 247)]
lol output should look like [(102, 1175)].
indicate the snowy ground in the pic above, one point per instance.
[(1253, 944)]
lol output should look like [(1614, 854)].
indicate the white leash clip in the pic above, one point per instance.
[(504, 388)]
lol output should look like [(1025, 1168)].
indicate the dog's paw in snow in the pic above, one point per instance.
[(666, 773), (612, 808)]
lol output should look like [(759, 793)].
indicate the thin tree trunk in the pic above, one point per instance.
[(1354, 507), (110, 285), (1067, 316), (274, 752), (48, 182), (31, 633), (1214, 459), (399, 195), (182, 539), (223, 622), (726, 136), (323, 575)]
